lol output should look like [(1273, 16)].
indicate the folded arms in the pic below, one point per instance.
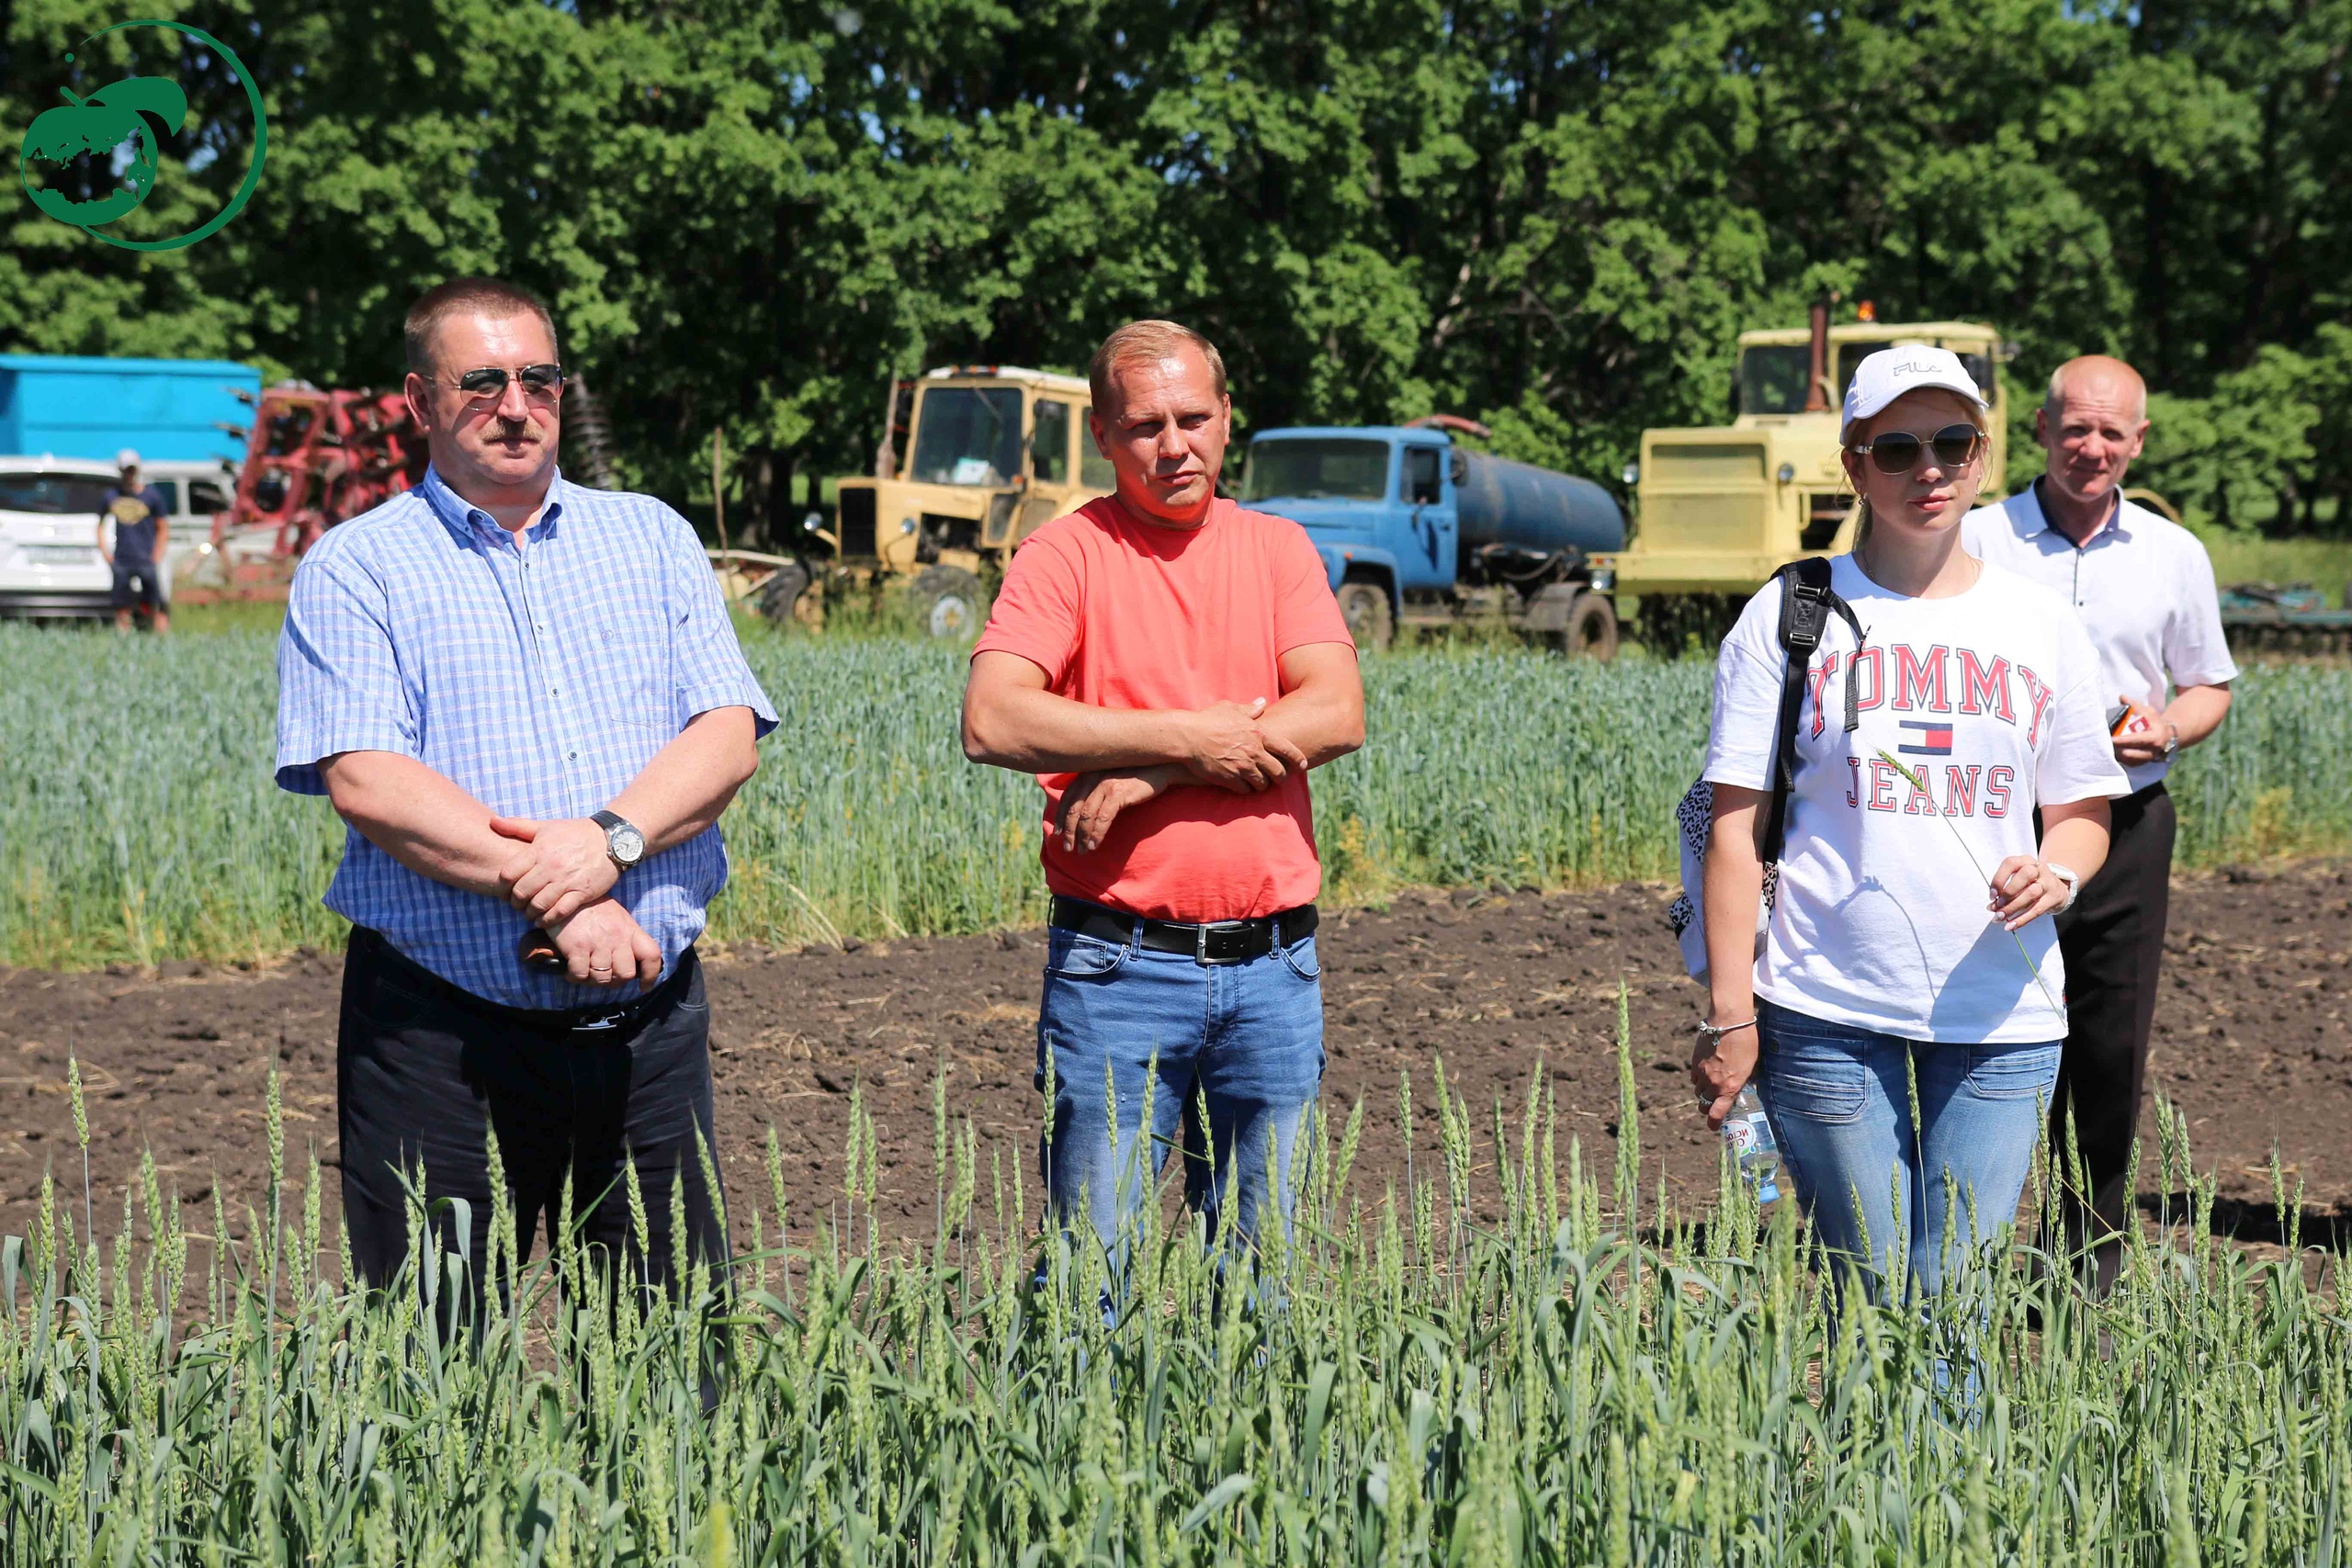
[(1123, 757)]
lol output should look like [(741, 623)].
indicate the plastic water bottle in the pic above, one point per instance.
[(1752, 1148)]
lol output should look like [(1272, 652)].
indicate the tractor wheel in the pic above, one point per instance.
[(948, 601), (1592, 628), (1365, 607), (778, 598)]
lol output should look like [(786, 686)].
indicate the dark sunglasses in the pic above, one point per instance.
[(1897, 452), (541, 381)]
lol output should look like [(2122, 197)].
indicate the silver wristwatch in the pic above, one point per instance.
[(2074, 883), (622, 843)]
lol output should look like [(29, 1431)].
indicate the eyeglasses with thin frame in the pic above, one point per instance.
[(1898, 451), (543, 382)]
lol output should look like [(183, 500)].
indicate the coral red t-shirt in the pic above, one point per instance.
[(1126, 614)]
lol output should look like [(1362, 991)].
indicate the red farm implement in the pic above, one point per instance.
[(312, 460)]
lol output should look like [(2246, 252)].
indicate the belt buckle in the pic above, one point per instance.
[(1201, 942)]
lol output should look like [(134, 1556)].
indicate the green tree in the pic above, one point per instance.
[(2243, 452), (750, 214)]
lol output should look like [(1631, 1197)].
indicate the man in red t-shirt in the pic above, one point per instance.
[(1169, 667)]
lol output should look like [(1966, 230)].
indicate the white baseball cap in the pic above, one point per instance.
[(1891, 372), (126, 458)]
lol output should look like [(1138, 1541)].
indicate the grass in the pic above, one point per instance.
[(1513, 1362), (2325, 564), (228, 615), (138, 823)]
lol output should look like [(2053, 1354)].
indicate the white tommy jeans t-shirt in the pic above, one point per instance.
[(2143, 584), (1881, 918)]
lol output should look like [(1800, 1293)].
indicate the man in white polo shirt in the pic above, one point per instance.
[(2144, 589)]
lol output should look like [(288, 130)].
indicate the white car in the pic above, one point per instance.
[(50, 567), (50, 564)]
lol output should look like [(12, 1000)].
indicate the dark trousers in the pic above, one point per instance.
[(425, 1070), (2113, 940)]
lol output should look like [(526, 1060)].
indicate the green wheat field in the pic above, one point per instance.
[(138, 820), (1513, 1362), (1517, 1358)]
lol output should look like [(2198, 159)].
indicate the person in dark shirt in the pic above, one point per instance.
[(142, 526)]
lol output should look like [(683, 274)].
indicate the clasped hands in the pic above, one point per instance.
[(1227, 745), (560, 876)]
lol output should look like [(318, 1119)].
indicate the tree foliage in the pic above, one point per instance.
[(750, 213)]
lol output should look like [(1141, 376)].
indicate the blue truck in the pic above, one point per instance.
[(1417, 530)]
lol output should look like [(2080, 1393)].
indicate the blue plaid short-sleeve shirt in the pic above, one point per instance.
[(539, 680)]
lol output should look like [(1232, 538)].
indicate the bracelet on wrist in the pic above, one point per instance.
[(1713, 1033)]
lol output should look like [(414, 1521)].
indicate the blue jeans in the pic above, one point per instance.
[(1243, 1042), (1874, 1185)]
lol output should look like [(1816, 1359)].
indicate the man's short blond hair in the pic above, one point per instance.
[(1139, 341), (2094, 367)]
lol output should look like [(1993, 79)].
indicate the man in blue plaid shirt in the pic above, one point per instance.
[(525, 699)]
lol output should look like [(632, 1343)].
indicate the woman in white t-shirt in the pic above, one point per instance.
[(1925, 747)]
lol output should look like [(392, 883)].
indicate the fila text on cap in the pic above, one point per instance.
[(1891, 372)]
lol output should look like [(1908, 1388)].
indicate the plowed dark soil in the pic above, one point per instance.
[(2252, 1041)]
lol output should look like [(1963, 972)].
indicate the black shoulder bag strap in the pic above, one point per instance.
[(1806, 605)]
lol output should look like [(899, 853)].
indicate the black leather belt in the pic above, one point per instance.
[(371, 946), (1217, 942)]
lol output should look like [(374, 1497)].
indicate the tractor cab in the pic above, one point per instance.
[(975, 458), (1722, 508)]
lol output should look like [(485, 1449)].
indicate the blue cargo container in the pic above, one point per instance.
[(179, 410)]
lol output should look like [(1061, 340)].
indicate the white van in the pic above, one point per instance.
[(193, 491)]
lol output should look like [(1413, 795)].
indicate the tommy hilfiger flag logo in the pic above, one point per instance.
[(1933, 737)]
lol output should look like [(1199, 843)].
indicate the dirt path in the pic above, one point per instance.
[(2253, 1042)]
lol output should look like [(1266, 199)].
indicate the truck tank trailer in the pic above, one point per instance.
[(1517, 506), (1416, 530)]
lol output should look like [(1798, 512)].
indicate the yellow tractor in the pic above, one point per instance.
[(973, 459), (1719, 509)]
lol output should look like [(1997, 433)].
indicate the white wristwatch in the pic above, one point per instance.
[(2074, 883)]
